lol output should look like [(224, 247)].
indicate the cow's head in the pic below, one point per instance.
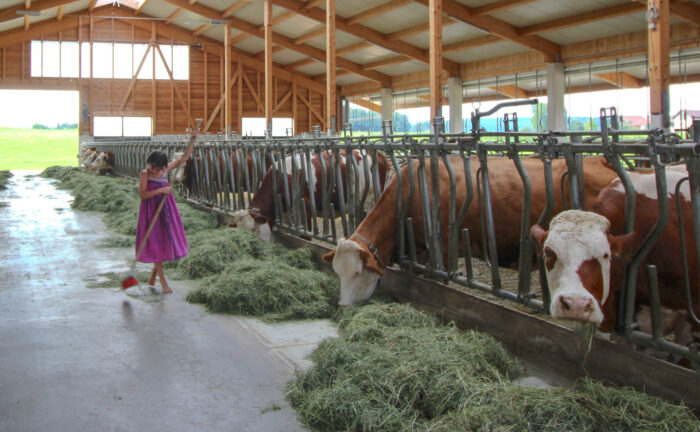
[(578, 252), (250, 221), (357, 269)]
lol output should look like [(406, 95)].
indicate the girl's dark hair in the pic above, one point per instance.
[(158, 159)]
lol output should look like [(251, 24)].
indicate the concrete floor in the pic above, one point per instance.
[(74, 358)]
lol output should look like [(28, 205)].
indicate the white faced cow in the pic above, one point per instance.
[(358, 260), (585, 252)]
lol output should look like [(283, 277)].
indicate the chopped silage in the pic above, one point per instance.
[(396, 369)]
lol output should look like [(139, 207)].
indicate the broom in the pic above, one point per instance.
[(131, 280)]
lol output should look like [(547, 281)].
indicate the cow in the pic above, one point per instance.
[(219, 171), (585, 253), (358, 260), (261, 210), (95, 161)]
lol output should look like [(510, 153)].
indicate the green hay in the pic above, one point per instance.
[(119, 199), (269, 289), (395, 369), (211, 251), (4, 179)]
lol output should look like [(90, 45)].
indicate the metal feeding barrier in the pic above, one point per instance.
[(227, 171)]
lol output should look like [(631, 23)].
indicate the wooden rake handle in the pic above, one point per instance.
[(150, 228)]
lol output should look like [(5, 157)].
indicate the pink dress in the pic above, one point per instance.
[(167, 241)]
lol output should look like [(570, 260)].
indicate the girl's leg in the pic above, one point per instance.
[(152, 279), (161, 276)]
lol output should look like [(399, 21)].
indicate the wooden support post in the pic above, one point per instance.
[(435, 55), (330, 67), (658, 13), (227, 77), (239, 111), (268, 65)]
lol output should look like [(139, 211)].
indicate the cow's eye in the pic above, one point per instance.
[(606, 256), (547, 253)]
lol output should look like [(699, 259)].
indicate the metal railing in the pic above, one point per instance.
[(227, 171)]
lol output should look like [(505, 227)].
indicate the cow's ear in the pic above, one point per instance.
[(539, 235), (370, 263), (329, 257), (623, 246)]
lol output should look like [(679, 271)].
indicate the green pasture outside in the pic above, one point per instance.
[(37, 149)]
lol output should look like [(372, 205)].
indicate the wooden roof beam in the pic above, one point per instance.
[(684, 11), (499, 6), (316, 53), (59, 13), (310, 35), (201, 29), (417, 29), (300, 63), (275, 49), (91, 6), (353, 47), (622, 80), (387, 62), (499, 28), (511, 91), (173, 15), (370, 35), (234, 7), (584, 18), (10, 13), (377, 10), (471, 43)]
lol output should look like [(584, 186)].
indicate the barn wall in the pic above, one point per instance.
[(158, 99)]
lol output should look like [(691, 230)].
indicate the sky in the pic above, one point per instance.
[(23, 108)]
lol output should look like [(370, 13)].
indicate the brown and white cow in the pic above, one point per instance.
[(585, 252), (262, 207), (358, 260)]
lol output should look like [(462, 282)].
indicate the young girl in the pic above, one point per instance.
[(167, 241)]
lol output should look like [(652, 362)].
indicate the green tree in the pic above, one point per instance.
[(539, 112)]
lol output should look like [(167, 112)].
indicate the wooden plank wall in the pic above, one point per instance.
[(202, 93)]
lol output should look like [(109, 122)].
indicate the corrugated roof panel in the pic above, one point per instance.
[(600, 29), (480, 53), (458, 32), (287, 56), (158, 8), (252, 45), (349, 8), (349, 79), (398, 19), (297, 26), (190, 21), (316, 68), (404, 68), (369, 55), (254, 12)]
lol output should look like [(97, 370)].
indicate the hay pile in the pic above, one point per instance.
[(395, 369), (119, 199), (247, 276), (4, 179)]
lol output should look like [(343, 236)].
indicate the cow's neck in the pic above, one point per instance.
[(264, 201)]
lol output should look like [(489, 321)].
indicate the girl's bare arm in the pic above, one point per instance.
[(190, 146)]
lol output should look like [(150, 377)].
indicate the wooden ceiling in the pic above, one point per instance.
[(384, 44)]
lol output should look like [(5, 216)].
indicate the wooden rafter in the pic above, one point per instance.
[(280, 39), (622, 79), (173, 15), (234, 7), (240, 38), (138, 10), (59, 13), (417, 29), (387, 62), (310, 35), (368, 34), (498, 6), (471, 43), (353, 47), (316, 53), (10, 13), (498, 27), (275, 49), (91, 6), (377, 10), (579, 19), (511, 91), (300, 63), (201, 29)]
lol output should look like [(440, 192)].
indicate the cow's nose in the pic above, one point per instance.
[(579, 308)]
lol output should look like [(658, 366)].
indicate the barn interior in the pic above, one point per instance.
[(252, 70)]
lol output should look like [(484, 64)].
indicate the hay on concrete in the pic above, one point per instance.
[(395, 369), (269, 289), (119, 199)]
